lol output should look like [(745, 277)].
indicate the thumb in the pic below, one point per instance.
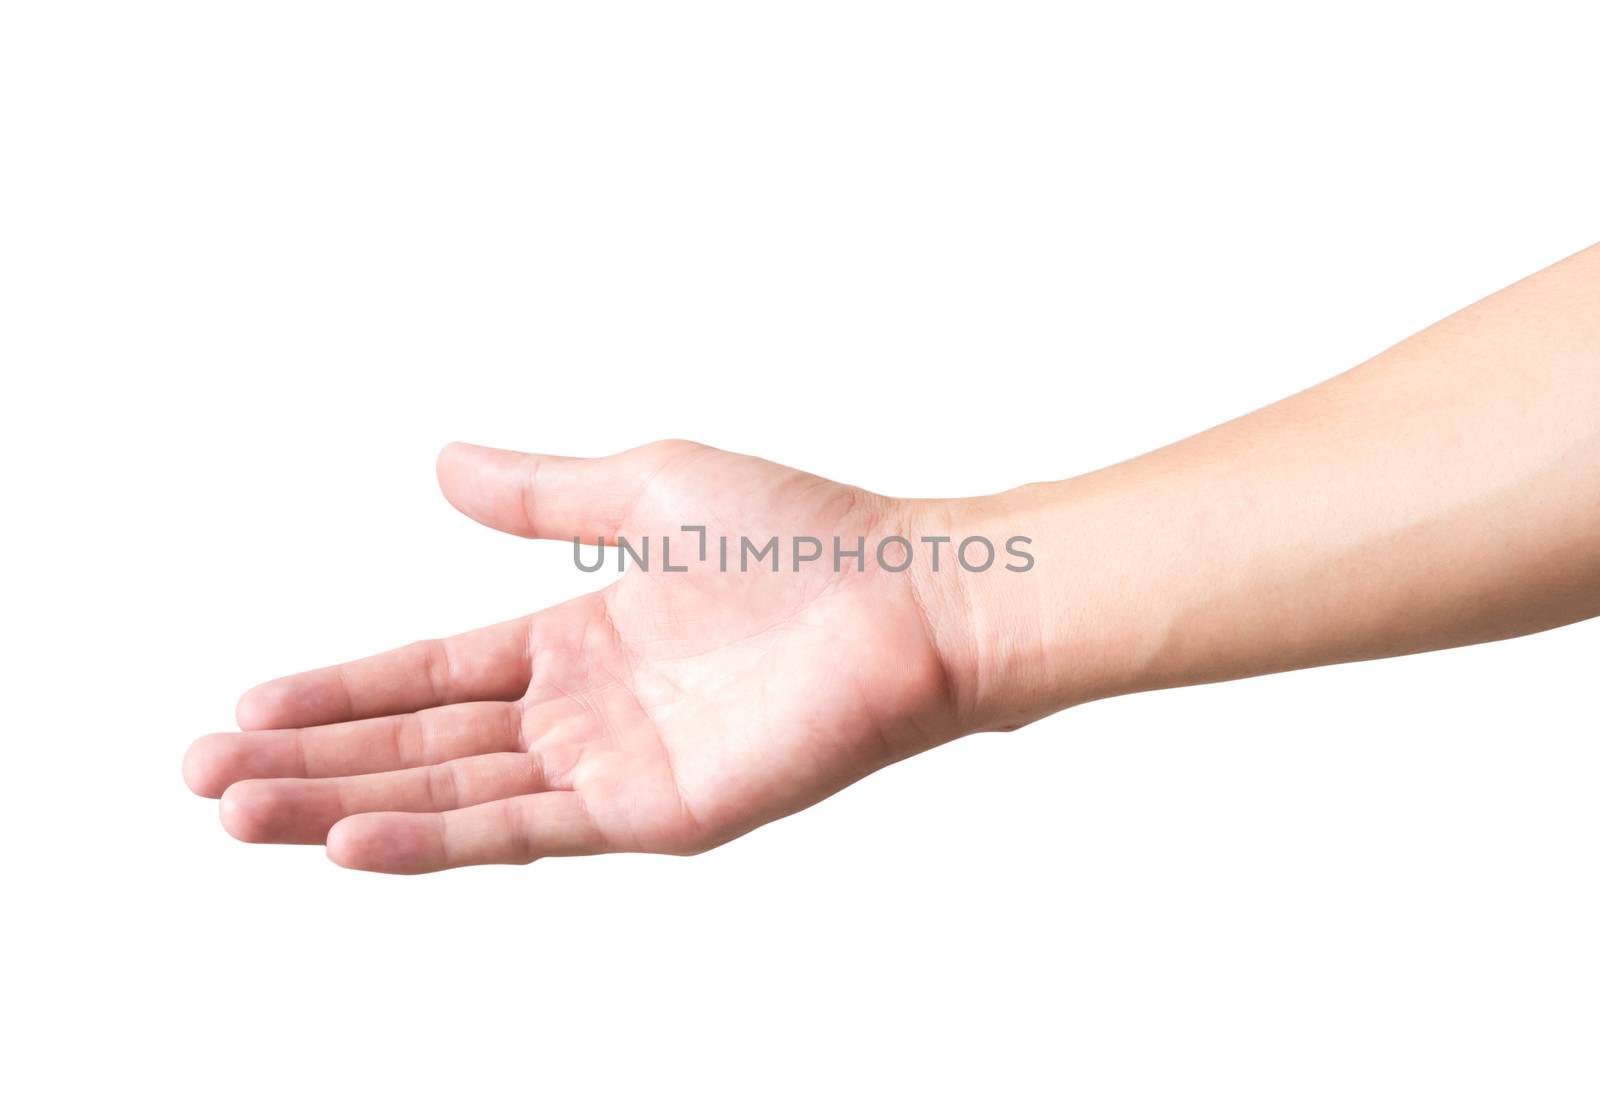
[(543, 495)]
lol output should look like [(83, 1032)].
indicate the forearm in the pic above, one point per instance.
[(1444, 493)]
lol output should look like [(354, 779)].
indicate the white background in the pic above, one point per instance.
[(259, 261)]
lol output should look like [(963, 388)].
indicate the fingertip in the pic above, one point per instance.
[(310, 698), (387, 843), (487, 485), (450, 454), (459, 470), (204, 766), (246, 811), (344, 844), (257, 708)]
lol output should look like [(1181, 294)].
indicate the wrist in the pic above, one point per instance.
[(1009, 634)]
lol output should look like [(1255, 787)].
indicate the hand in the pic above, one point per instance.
[(668, 712)]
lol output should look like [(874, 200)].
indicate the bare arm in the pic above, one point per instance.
[(1444, 493)]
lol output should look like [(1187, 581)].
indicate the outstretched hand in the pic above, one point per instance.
[(667, 712)]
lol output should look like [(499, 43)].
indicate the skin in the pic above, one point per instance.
[(1443, 493)]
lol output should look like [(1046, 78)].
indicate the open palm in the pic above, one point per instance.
[(669, 712)]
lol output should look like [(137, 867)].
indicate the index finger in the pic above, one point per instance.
[(489, 664)]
